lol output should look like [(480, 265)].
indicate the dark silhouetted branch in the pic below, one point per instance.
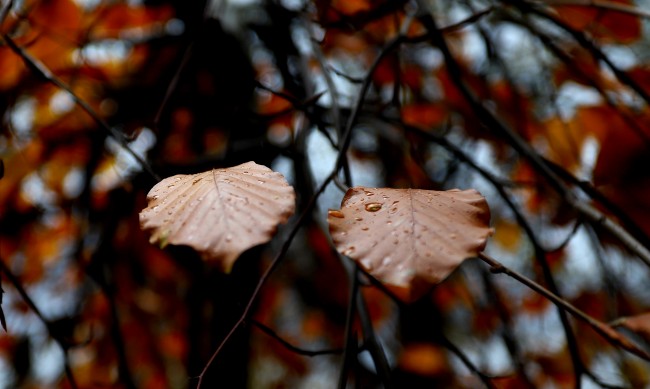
[(298, 350)]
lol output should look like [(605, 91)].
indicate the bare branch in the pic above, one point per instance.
[(42, 71), (492, 122), (298, 350), (605, 330)]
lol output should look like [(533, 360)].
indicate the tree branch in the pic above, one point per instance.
[(42, 71), (492, 122), (605, 330)]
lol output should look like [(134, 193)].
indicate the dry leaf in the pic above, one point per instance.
[(221, 212), (410, 239)]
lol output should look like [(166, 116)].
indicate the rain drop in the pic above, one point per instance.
[(452, 236), (373, 207), (334, 213), (156, 208), (358, 219), (260, 182), (364, 228), (368, 193), (386, 261), (228, 238), (349, 250)]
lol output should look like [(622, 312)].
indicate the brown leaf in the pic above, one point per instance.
[(221, 212), (410, 239)]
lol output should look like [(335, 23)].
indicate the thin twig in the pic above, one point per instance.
[(507, 333), (5, 11), (350, 335), (173, 83), (605, 330), (64, 344), (298, 350), (371, 341), (487, 381), (42, 71), (589, 45)]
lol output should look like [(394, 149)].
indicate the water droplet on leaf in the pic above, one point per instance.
[(334, 213), (373, 207)]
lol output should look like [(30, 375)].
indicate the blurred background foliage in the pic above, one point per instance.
[(190, 85)]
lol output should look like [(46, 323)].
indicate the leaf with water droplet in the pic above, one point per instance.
[(415, 243), (221, 212)]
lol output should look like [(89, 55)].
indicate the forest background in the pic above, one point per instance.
[(541, 106)]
